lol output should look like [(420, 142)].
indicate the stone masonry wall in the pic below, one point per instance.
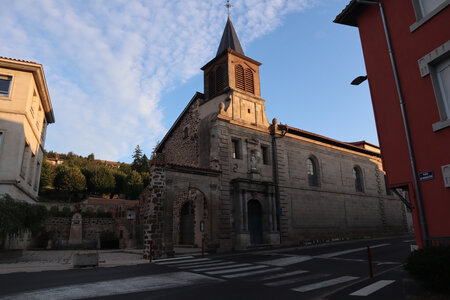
[(91, 227), (152, 212), (180, 149)]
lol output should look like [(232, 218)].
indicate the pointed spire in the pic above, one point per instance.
[(230, 39)]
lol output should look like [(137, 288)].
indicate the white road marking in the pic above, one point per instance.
[(182, 261), (333, 254), (296, 280), (409, 241), (372, 288), (220, 268), (172, 258), (187, 264), (286, 261), (387, 263), (235, 270), (252, 273), (270, 277), (326, 283), (209, 264), (116, 287)]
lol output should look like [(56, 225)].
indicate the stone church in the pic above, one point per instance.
[(225, 176)]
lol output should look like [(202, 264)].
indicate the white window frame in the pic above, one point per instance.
[(423, 17), (427, 66), (7, 96)]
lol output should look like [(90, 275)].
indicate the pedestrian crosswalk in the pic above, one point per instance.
[(272, 273)]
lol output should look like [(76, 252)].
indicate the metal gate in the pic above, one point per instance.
[(187, 224), (255, 222)]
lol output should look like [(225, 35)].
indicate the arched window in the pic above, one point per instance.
[(220, 79), (312, 171), (249, 87), (239, 75), (186, 132), (212, 84), (357, 176)]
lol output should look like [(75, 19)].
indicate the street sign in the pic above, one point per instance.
[(426, 175)]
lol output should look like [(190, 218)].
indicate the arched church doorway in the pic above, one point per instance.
[(255, 222), (187, 216)]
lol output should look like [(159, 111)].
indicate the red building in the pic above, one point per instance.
[(406, 45)]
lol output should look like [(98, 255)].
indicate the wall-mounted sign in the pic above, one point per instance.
[(426, 175), (446, 175), (202, 226)]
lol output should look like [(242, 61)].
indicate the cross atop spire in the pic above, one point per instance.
[(228, 6), (229, 39)]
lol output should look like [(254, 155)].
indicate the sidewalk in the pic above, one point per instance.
[(52, 260)]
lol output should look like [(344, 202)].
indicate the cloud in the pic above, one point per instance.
[(109, 62)]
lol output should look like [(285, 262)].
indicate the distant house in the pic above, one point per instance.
[(407, 59), (25, 112)]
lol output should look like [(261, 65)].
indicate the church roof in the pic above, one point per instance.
[(229, 39)]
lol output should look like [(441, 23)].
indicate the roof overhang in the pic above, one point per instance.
[(39, 77), (231, 51), (349, 13)]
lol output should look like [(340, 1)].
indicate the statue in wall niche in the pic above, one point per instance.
[(253, 161)]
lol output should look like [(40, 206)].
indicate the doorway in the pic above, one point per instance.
[(255, 222), (187, 224)]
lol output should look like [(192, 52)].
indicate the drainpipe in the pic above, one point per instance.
[(275, 170), (423, 223)]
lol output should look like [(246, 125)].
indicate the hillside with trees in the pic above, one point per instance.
[(71, 178)]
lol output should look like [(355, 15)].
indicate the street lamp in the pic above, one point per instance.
[(358, 80)]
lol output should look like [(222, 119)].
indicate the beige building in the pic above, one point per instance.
[(227, 177), (25, 112)]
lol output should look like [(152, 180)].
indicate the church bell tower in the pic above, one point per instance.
[(231, 68), (236, 75)]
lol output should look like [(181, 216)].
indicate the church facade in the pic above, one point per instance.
[(226, 177)]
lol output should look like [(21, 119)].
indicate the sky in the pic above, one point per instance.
[(119, 72)]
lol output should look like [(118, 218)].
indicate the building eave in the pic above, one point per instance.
[(327, 140), (39, 77), (231, 51), (349, 14)]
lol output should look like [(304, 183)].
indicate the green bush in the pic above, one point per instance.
[(65, 213), (17, 217), (432, 266)]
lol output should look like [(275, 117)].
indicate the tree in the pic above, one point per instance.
[(102, 181), (69, 180), (134, 185), (137, 157), (91, 156), (144, 167), (145, 178), (121, 181), (47, 175)]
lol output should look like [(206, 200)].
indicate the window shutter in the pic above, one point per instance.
[(239, 75), (249, 87), (220, 79), (212, 84)]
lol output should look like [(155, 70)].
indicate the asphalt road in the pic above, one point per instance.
[(333, 271)]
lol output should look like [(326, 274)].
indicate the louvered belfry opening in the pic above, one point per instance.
[(239, 70), (212, 84), (244, 79), (249, 86), (221, 81), (217, 81)]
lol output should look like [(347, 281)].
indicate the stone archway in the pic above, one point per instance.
[(187, 221), (255, 226), (190, 210)]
